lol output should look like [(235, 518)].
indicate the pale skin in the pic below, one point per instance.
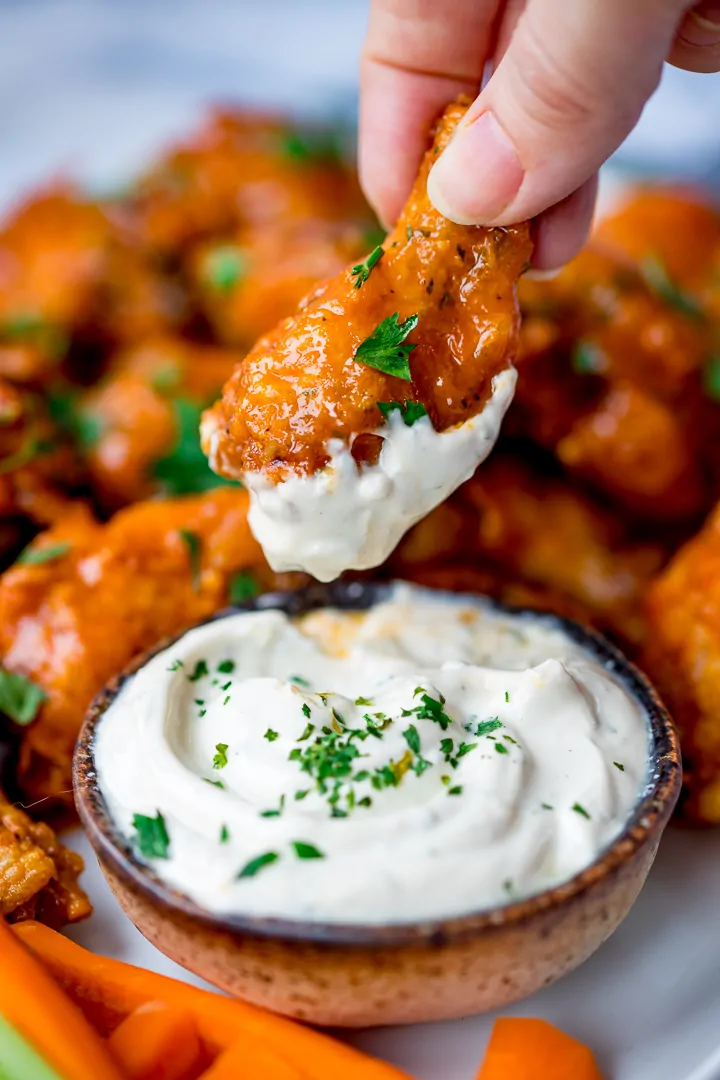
[(569, 81)]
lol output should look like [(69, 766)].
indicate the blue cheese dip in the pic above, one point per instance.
[(423, 759)]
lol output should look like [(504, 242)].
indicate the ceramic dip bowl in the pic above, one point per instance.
[(358, 974)]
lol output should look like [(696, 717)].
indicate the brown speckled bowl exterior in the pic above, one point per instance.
[(358, 975)]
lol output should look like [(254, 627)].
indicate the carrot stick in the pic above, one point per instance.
[(33, 1004), (157, 1041), (521, 1048), (107, 990), (18, 1060), (250, 1060)]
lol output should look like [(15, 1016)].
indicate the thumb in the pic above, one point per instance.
[(569, 88)]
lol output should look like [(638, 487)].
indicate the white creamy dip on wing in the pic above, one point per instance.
[(422, 759), (348, 518)]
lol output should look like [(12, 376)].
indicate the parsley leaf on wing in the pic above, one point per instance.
[(410, 411), (20, 698), (383, 349), (361, 272)]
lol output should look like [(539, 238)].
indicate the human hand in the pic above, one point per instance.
[(570, 80)]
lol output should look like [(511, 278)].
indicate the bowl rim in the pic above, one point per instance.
[(644, 826)]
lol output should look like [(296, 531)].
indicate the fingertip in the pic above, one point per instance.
[(560, 232)]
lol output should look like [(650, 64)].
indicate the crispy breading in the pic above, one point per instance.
[(300, 387), (38, 876)]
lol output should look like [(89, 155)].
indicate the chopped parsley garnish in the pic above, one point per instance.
[(306, 851), (412, 738), (300, 795), (711, 378), (658, 280), (446, 745), (243, 587), (384, 350), (432, 709), (194, 546), (465, 748), (224, 834), (547, 806), (184, 470), (306, 710), (299, 681), (361, 272), (507, 696), (275, 813), (151, 837), (363, 701), (271, 735), (225, 700), (619, 766), (226, 667), (588, 359), (501, 749), (410, 411), (199, 672), (176, 665), (220, 760), (253, 867), (33, 556), (457, 790), (308, 730), (215, 783), (225, 686), (487, 726), (580, 810), (20, 698), (509, 738), (223, 267)]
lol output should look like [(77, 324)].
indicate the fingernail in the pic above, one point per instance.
[(703, 26), (478, 175)]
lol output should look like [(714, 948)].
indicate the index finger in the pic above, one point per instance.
[(418, 56)]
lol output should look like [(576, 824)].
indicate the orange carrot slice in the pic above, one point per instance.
[(36, 1007), (107, 990), (250, 1060), (158, 1041), (525, 1049)]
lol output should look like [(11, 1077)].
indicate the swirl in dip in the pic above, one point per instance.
[(425, 758)]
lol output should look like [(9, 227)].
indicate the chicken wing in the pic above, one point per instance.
[(105, 593), (682, 656), (358, 415)]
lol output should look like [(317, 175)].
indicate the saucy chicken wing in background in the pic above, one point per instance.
[(381, 395)]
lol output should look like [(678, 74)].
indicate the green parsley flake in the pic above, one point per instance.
[(308, 730), (711, 378), (410, 410), (199, 672), (658, 280), (588, 359), (361, 272), (384, 350), (363, 701), (226, 667), (257, 864), (412, 738), (547, 806), (151, 838), (35, 556), (220, 760), (184, 469), (446, 745), (243, 587), (306, 710), (457, 790), (274, 813), (501, 749), (224, 834), (507, 696), (619, 766), (432, 709), (580, 810), (223, 267), (300, 795), (194, 546), (306, 851), (20, 698), (271, 735), (487, 726), (176, 665), (465, 748), (298, 680)]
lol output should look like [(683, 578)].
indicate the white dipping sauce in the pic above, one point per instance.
[(457, 759), (347, 518)]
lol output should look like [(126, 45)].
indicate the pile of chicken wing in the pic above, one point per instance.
[(122, 317)]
